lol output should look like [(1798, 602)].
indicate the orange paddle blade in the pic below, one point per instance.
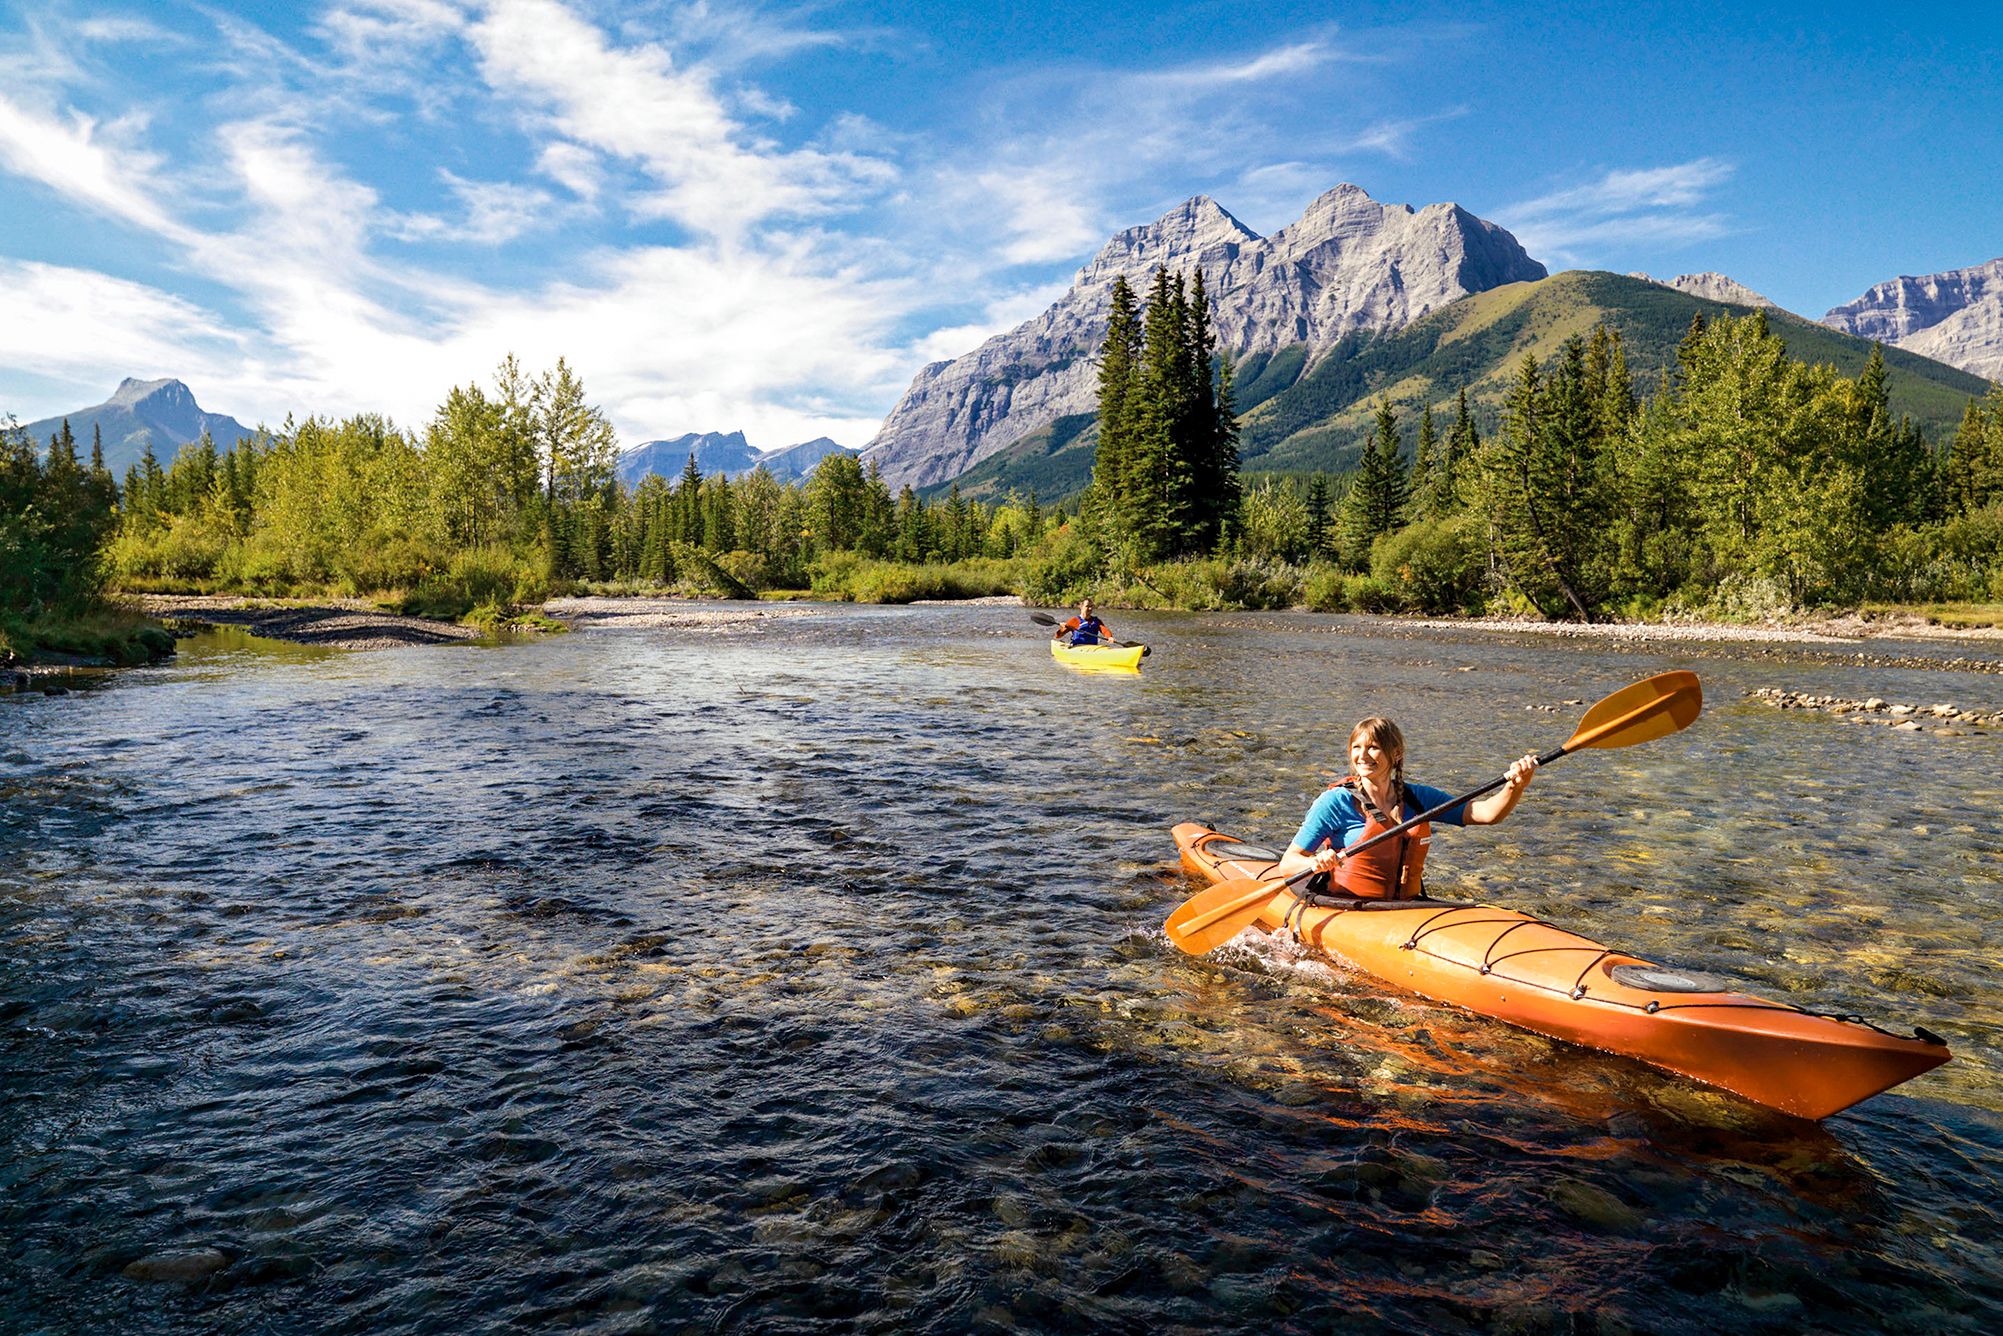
[(1211, 918), (1652, 708)]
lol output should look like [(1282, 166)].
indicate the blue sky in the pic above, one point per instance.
[(766, 217)]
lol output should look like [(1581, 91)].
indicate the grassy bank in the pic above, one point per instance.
[(105, 636)]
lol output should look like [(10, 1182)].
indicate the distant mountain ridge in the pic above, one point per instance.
[(1349, 264), (1299, 415), (1714, 287), (160, 413), (723, 452), (1954, 317)]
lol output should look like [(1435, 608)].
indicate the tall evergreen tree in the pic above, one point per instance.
[(1158, 476), (1428, 501), (1463, 447), (1317, 517), (1119, 380), (1378, 495)]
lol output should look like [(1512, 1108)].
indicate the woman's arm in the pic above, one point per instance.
[(1297, 859), (1487, 811)]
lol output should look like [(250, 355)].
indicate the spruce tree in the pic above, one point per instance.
[(1463, 447), (1158, 474), (1119, 378), (1426, 489), (1317, 506), (1963, 454), (1530, 479), (1378, 495)]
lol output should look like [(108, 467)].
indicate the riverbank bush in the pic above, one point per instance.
[(1435, 566), (1063, 567), (479, 585), (850, 577), (1204, 584)]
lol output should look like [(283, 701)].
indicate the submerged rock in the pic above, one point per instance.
[(183, 1266)]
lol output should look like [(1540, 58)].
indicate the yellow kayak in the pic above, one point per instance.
[(1098, 656)]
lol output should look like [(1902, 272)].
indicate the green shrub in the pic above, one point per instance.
[(387, 562), (1260, 584), (1433, 565), (1325, 589), (481, 585), (1062, 568), (1367, 593), (750, 569), (853, 578), (257, 567), (184, 554)]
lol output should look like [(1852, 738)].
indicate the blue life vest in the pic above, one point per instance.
[(1087, 631)]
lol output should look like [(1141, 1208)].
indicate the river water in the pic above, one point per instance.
[(808, 975)]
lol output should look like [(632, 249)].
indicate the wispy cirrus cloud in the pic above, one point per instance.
[(1628, 207), (66, 323), (100, 164), (638, 102)]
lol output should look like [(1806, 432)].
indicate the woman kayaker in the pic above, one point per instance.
[(1084, 629), (1375, 797)]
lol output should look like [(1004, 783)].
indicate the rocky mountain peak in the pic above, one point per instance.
[(1191, 229), (1348, 264), (1955, 316), (164, 393), (1712, 286)]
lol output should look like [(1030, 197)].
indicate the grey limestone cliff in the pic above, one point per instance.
[(1715, 287), (1348, 264), (1954, 317)]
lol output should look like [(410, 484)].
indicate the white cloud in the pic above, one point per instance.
[(125, 28), (497, 212), (73, 159), (1045, 214), (1298, 58), (739, 313), (76, 325), (1655, 206), (573, 167), (1393, 138), (637, 102), (1002, 314)]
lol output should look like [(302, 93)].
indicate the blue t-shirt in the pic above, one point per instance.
[(1338, 818)]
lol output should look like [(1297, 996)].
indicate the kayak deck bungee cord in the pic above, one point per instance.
[(1513, 967)]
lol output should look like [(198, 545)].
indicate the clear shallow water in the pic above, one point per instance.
[(668, 980)]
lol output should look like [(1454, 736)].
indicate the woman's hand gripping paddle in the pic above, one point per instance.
[(1045, 619), (1652, 708)]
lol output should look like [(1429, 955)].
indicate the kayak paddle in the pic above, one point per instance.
[(1652, 708), (1045, 619)]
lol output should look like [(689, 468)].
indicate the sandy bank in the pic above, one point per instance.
[(346, 623)]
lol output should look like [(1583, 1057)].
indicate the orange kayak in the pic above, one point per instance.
[(1522, 970)]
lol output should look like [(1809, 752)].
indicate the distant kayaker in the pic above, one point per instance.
[(1375, 797), (1084, 629)]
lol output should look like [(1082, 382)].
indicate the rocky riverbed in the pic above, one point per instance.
[(1937, 718), (339, 623)]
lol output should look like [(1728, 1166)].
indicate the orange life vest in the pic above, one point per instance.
[(1393, 870)]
